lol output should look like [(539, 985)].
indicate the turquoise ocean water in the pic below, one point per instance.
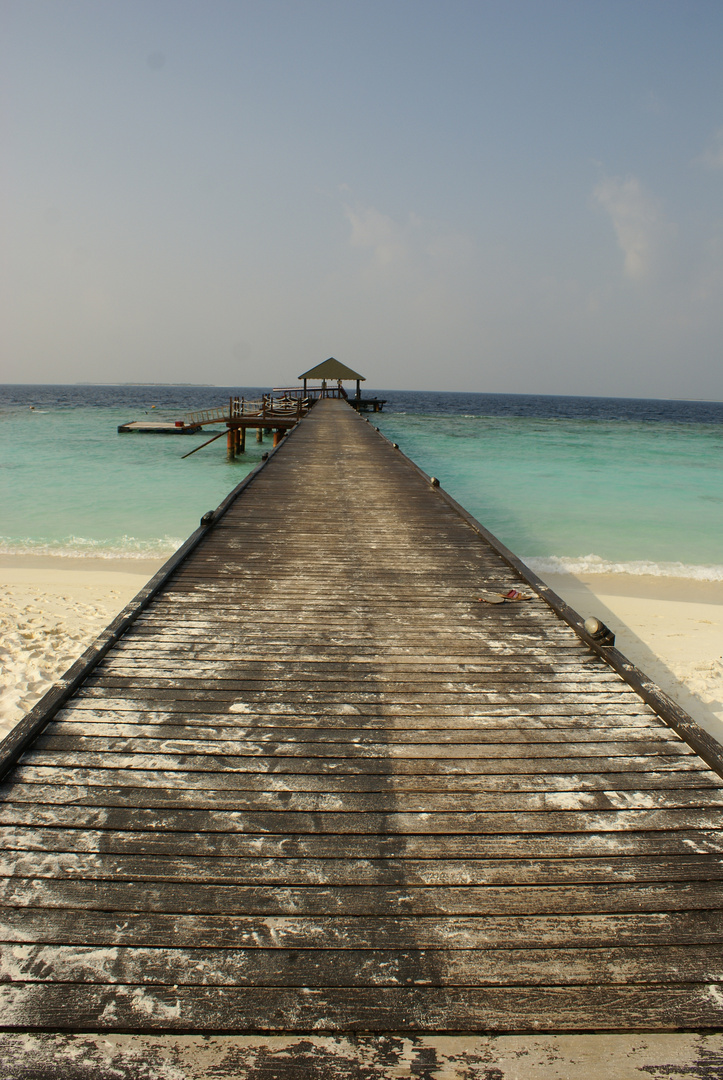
[(567, 483)]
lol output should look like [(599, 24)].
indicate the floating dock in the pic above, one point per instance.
[(308, 785), (159, 427)]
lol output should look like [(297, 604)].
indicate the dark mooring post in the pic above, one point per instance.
[(242, 440), (259, 434), (231, 443)]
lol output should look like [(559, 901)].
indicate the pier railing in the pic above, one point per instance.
[(207, 416), (240, 407), (313, 392)]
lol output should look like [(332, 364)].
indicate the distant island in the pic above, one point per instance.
[(144, 384)]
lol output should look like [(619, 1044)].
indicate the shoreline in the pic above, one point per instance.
[(28, 564), (53, 607)]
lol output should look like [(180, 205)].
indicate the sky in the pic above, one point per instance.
[(516, 196)]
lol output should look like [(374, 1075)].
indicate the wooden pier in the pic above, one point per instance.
[(309, 783), (269, 414)]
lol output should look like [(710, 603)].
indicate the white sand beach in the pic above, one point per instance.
[(52, 608)]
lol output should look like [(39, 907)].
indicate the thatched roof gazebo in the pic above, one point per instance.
[(333, 371)]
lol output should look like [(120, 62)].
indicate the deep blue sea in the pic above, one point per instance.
[(567, 482)]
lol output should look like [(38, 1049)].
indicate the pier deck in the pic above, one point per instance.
[(317, 786)]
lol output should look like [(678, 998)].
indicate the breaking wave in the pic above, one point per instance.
[(594, 564)]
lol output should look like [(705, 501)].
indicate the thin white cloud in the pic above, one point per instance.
[(640, 226), (385, 237), (419, 276), (421, 249), (712, 156)]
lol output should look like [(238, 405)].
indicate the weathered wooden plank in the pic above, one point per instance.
[(305, 870), (237, 682), (205, 706), (581, 1056), (246, 676), (216, 781), (605, 725), (399, 653), (666, 777), (535, 620), (358, 900), (279, 763), (379, 802), (45, 1007), (362, 967), (107, 836), (471, 622), (569, 694), (257, 661), (393, 823), (141, 929), (384, 752), (334, 612), (347, 731), (306, 634)]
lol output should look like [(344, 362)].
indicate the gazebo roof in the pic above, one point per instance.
[(331, 369)]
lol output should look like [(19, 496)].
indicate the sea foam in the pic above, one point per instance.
[(594, 564), (73, 547)]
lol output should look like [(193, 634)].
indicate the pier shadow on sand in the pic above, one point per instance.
[(588, 602)]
